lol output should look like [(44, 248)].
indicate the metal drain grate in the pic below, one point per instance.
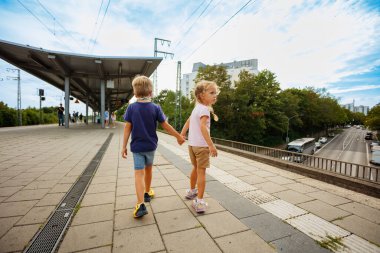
[(48, 238)]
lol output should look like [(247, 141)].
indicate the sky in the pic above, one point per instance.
[(322, 44)]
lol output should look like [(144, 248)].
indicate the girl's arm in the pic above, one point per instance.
[(127, 133), (206, 135), (185, 127)]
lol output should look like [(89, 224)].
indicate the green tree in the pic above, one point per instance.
[(373, 118), (8, 116)]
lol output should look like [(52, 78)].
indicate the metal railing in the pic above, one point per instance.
[(358, 171)]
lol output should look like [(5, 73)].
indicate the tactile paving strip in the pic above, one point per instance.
[(283, 209), (240, 187), (317, 228), (355, 244), (258, 197)]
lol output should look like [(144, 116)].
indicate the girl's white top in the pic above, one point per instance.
[(195, 135)]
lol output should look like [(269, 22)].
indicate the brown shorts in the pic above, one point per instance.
[(200, 156)]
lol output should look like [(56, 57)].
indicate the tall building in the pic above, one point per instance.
[(233, 70), (361, 108)]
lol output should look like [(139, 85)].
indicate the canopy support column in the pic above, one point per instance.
[(102, 101), (87, 110), (67, 101)]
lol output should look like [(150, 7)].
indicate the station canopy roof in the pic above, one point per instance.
[(85, 71)]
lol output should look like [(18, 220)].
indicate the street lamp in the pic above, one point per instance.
[(287, 128)]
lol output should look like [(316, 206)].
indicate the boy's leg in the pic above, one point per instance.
[(139, 185), (148, 177)]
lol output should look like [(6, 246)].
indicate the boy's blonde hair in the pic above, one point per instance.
[(201, 87), (142, 86)]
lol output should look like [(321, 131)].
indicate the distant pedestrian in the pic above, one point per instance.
[(141, 120), (113, 119), (201, 146), (80, 117), (61, 121), (106, 118)]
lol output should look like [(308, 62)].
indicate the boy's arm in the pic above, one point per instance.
[(185, 127), (207, 137), (165, 125), (127, 133)]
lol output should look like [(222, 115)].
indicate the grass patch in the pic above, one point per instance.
[(76, 209), (331, 243)]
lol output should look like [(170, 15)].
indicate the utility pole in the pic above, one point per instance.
[(19, 112), (178, 109), (156, 52)]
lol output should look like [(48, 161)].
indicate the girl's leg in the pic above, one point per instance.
[(148, 177), (201, 182), (139, 184), (193, 178)]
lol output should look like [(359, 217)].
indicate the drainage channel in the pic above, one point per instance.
[(49, 237)]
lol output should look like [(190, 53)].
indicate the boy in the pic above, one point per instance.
[(141, 119)]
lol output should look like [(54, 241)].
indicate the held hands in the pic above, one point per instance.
[(180, 140), (124, 152), (213, 151)]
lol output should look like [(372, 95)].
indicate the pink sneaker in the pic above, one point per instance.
[(191, 194), (200, 206)]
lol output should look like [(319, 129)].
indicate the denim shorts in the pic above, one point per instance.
[(143, 159)]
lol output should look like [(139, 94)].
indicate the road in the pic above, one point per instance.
[(349, 146)]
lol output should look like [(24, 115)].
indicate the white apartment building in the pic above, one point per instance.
[(233, 70), (361, 108)]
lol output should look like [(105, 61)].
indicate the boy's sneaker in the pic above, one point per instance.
[(140, 210), (148, 195), (191, 194), (200, 206)]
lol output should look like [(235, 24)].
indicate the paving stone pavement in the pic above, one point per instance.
[(251, 205)]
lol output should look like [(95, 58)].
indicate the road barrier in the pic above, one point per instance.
[(350, 175)]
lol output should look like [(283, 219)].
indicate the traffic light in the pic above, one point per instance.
[(41, 92)]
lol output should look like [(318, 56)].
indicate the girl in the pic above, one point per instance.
[(113, 119), (200, 143)]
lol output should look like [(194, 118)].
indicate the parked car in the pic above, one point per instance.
[(375, 157), (368, 136), (375, 143), (331, 134), (318, 145), (322, 140)]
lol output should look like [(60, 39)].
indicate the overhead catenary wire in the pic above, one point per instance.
[(100, 26), (192, 14), (192, 25), (56, 20), (210, 10), (96, 23), (39, 20), (217, 30)]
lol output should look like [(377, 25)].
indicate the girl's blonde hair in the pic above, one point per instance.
[(201, 87), (142, 86)]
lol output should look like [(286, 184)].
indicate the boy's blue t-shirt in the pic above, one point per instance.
[(144, 117)]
